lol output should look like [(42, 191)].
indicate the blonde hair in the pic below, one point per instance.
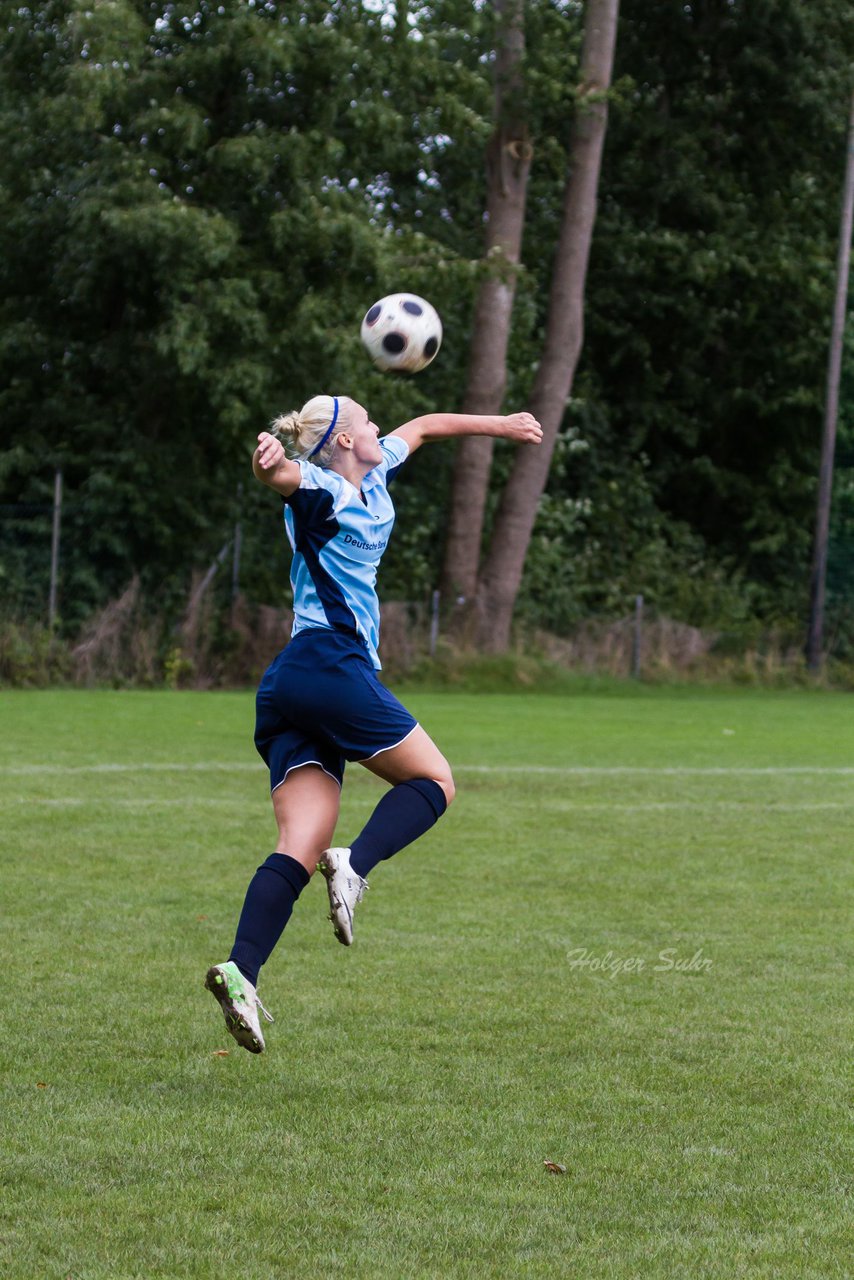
[(302, 430)]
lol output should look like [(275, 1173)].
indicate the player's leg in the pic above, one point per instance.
[(422, 788), (417, 756), (306, 807)]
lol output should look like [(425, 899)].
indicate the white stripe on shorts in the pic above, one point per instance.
[(391, 748), (302, 765)]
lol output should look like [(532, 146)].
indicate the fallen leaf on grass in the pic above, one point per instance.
[(220, 1053), (40, 1084), (553, 1167), (201, 917)]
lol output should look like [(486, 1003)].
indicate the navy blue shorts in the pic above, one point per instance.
[(320, 702)]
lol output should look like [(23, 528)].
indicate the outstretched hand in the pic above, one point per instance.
[(523, 428), (270, 452)]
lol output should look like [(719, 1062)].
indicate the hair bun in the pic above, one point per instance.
[(287, 428)]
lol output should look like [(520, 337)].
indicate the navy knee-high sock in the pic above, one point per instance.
[(403, 814), (270, 899)]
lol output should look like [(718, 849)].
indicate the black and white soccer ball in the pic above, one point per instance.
[(402, 332)]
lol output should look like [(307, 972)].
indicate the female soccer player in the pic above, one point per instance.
[(320, 702)]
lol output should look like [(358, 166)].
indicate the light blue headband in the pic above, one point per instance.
[(329, 429)]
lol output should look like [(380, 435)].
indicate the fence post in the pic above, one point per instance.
[(818, 576), (434, 624), (637, 637), (238, 545), (54, 549)]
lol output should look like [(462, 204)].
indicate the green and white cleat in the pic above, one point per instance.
[(240, 1004), (345, 888)]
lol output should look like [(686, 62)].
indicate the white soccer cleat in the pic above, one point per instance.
[(239, 1003), (345, 887)]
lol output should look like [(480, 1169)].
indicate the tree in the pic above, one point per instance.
[(508, 165), (501, 575)]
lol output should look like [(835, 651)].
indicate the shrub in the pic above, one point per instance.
[(31, 655)]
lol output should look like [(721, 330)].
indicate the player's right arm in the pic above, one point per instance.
[(522, 428), (272, 468)]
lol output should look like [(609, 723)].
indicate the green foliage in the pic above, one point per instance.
[(198, 202), (203, 201), (713, 270), (601, 539), (31, 656)]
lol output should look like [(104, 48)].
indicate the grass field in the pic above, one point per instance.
[(626, 950)]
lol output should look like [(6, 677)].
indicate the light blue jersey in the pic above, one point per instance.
[(338, 541)]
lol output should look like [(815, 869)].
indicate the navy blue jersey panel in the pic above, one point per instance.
[(314, 527)]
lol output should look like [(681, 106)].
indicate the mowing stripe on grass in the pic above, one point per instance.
[(604, 806), (237, 766)]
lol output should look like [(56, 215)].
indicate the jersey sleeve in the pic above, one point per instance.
[(395, 451), (318, 489)]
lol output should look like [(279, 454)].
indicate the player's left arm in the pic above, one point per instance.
[(522, 428)]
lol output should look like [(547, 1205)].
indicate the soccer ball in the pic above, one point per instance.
[(402, 332)]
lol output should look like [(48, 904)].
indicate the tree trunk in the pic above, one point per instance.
[(508, 164), (502, 572)]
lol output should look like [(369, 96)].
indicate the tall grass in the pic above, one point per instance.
[(213, 644)]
